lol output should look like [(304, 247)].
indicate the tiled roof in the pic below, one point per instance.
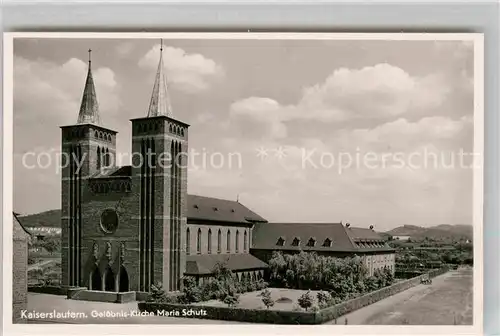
[(313, 237), (363, 234), (219, 210), (205, 263), (200, 208), (124, 171), (18, 229)]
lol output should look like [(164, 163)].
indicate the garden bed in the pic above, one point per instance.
[(277, 316)]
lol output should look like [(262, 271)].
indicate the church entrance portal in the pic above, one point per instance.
[(109, 280), (123, 280)]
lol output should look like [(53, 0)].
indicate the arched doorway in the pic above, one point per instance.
[(109, 280), (123, 287), (95, 279)]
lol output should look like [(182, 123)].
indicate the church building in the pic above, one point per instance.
[(125, 228)]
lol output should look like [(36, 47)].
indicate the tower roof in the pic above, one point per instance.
[(160, 101), (89, 108)]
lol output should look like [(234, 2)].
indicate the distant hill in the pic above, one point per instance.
[(51, 218), (438, 232)]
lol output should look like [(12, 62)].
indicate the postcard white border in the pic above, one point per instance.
[(211, 329)]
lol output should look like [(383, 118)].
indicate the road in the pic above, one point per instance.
[(447, 301)]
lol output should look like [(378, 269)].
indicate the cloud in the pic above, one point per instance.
[(48, 90), (124, 48), (187, 72), (48, 95), (379, 93)]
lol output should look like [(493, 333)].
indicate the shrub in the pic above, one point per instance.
[(157, 293), (323, 298), (305, 300), (261, 284), (231, 300), (266, 298), (191, 292)]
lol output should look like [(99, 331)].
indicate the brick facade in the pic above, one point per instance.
[(147, 244), (19, 271)]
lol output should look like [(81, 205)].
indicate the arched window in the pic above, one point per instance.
[(188, 245), (198, 242), (228, 241), (106, 157), (209, 241), (245, 241), (237, 242), (98, 157), (219, 241)]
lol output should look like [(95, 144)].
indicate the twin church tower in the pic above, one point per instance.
[(123, 227)]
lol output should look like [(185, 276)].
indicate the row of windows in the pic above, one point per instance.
[(370, 244), (146, 127), (219, 241), (82, 132), (310, 243), (102, 136), (103, 157), (109, 186)]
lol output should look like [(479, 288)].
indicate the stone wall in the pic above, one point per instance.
[(19, 278)]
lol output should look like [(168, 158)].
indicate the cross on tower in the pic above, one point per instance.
[(161, 45), (90, 55)]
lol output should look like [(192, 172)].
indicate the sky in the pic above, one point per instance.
[(365, 132)]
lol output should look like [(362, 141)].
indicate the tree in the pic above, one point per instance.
[(266, 298), (51, 245), (231, 300), (323, 298), (305, 300), (191, 291), (157, 293)]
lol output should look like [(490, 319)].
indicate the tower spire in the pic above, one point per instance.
[(89, 108), (160, 101)]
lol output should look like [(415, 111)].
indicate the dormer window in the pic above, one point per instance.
[(296, 241), (232, 210), (215, 209), (281, 241), (195, 206), (311, 242), (327, 242)]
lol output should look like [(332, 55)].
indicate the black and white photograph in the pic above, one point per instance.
[(245, 179)]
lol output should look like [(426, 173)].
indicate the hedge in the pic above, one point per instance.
[(291, 317), (42, 289), (234, 314), (330, 313)]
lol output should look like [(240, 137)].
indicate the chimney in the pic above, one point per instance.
[(347, 225), (371, 227)]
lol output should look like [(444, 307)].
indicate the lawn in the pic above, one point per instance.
[(285, 299)]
